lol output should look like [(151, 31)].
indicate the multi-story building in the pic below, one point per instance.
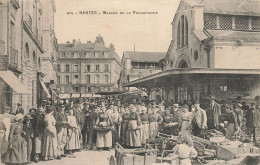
[(215, 48), (22, 48), (136, 65), (11, 88), (86, 68)]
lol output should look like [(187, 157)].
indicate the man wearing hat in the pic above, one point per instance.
[(252, 121), (198, 119), (213, 112), (19, 109), (38, 129), (61, 127), (239, 112)]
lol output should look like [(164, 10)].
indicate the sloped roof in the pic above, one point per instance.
[(237, 7), (232, 35), (83, 47), (144, 56)]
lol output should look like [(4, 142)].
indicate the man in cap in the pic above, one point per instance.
[(38, 129), (252, 121), (19, 109), (198, 119), (213, 112), (61, 127)]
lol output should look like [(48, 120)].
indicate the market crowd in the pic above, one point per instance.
[(53, 131)]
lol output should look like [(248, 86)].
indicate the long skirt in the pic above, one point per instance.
[(231, 129), (61, 140), (184, 127), (115, 134), (3, 146), (153, 129), (18, 153), (144, 132), (124, 137), (29, 149), (104, 139), (49, 148), (73, 142), (134, 137)]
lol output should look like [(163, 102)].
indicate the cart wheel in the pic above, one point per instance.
[(112, 160), (199, 147)]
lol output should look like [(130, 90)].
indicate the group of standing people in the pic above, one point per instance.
[(54, 131)]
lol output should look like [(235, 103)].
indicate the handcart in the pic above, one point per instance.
[(138, 156)]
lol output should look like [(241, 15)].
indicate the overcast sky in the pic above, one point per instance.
[(150, 33)]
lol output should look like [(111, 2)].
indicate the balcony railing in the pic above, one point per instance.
[(2, 47), (14, 58), (28, 20)]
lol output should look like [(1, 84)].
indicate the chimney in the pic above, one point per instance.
[(74, 43), (112, 47), (67, 42), (89, 42)]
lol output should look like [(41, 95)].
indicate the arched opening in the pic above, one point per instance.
[(27, 52), (183, 64), (34, 58)]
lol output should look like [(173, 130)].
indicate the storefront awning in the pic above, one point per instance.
[(13, 82), (75, 95), (45, 89), (110, 92), (189, 74), (64, 96)]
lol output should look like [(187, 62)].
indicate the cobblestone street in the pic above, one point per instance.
[(82, 158)]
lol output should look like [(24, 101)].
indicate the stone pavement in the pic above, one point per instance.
[(92, 157)]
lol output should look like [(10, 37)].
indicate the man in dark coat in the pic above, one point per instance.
[(213, 112), (38, 129), (251, 121), (61, 127), (90, 120)]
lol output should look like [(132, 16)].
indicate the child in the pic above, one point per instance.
[(73, 141), (184, 150)]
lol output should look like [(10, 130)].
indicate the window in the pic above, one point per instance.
[(76, 55), (97, 68), (255, 23), (76, 77), (88, 68), (196, 55), (182, 32), (106, 78), (67, 68), (242, 23), (87, 54), (58, 67), (75, 89), (67, 55), (97, 79), (210, 21), (88, 79), (106, 68), (101, 55), (58, 79), (225, 22), (76, 68), (67, 79), (223, 88), (89, 89)]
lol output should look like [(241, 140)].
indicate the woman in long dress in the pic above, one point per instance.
[(50, 136), (73, 141), (125, 120), (134, 129), (17, 151), (104, 133), (232, 125), (185, 120), (145, 125)]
